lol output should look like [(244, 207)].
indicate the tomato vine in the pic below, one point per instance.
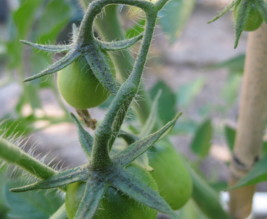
[(103, 170)]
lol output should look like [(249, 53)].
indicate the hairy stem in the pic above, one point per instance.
[(124, 96), (251, 121), (108, 27), (13, 154)]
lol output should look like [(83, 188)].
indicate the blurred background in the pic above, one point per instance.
[(192, 62)]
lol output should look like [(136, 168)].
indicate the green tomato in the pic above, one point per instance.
[(171, 174), (79, 87), (254, 19), (114, 205)]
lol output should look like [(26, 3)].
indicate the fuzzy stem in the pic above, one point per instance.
[(108, 27), (124, 96), (13, 154), (251, 121)]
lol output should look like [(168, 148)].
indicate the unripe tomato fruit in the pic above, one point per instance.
[(171, 175), (114, 205), (254, 19), (79, 87)]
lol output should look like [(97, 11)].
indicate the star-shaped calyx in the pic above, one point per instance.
[(114, 175), (93, 51)]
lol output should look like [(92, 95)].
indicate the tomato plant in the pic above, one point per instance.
[(79, 86), (84, 79), (114, 204), (171, 175)]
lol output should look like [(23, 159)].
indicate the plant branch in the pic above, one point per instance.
[(13, 154)]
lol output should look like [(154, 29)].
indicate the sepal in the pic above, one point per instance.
[(101, 69), (131, 186), (47, 48), (118, 45), (225, 10), (262, 9), (56, 66), (93, 194), (133, 151), (242, 16), (60, 179)]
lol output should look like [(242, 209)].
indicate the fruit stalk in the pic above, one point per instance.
[(251, 121)]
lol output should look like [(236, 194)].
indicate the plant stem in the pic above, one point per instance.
[(13, 154), (109, 28), (251, 121), (123, 98)]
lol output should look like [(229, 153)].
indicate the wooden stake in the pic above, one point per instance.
[(251, 121)]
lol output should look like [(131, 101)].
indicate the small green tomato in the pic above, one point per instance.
[(170, 173), (79, 87), (254, 19), (114, 204)]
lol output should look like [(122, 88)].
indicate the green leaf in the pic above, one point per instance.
[(167, 101), (234, 64), (173, 17), (24, 16), (93, 193), (56, 14), (139, 147), (21, 22), (257, 174), (230, 133), (201, 142), (131, 186), (189, 91), (33, 204)]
